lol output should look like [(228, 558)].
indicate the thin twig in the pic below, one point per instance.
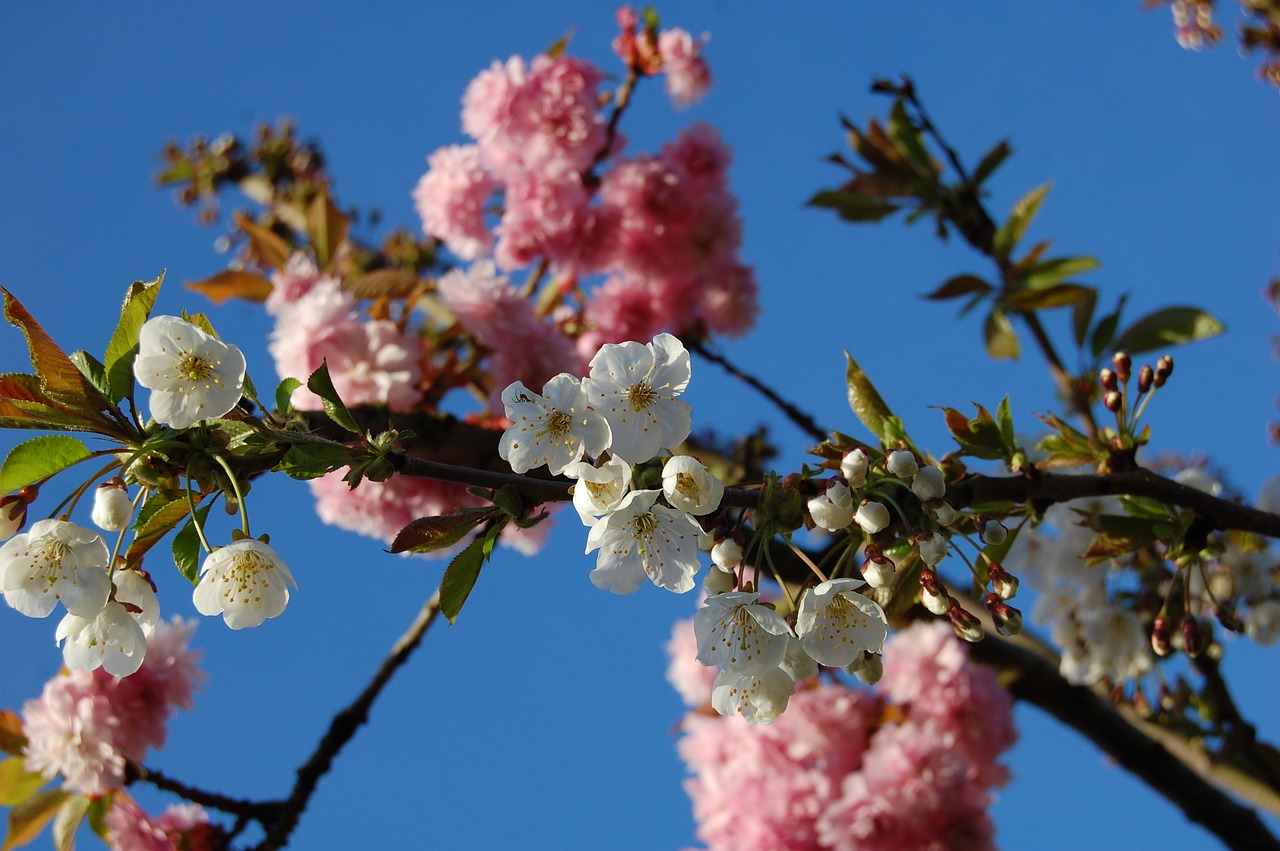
[(792, 412)]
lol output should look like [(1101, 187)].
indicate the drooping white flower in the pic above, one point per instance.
[(718, 581), (690, 487), (872, 516), (555, 429), (598, 490), (796, 662), (833, 508), (932, 546), (56, 560), (739, 634), (112, 640), (727, 554), (191, 375), (635, 387), (868, 668), (836, 624), (136, 591), (112, 507), (246, 582), (759, 698), (854, 467), (901, 463), (639, 539), (929, 484)]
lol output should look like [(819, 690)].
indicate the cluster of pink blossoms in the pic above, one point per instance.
[(87, 725), (662, 231), (911, 765), (181, 827)]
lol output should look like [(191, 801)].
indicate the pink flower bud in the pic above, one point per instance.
[(1164, 368), (1123, 363)]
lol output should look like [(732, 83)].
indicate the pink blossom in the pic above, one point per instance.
[(623, 308), (487, 102), (913, 792), (702, 156), (765, 787), (927, 670), (689, 677), (370, 363), (543, 218), (451, 196), (180, 826), (688, 77), (294, 281), (728, 300), (87, 724)]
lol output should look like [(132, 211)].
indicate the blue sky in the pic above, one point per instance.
[(542, 719)]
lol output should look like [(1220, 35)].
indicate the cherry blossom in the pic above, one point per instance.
[(555, 428), (112, 508), (112, 640), (598, 490), (836, 624), (192, 376), (635, 387), (56, 560), (758, 697), (833, 508), (738, 633), (639, 539), (690, 487), (246, 582)]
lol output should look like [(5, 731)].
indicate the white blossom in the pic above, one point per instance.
[(901, 463), (1262, 621), (135, 589), (872, 516), (836, 624), (726, 554), (718, 581), (796, 662), (112, 507), (928, 484), (635, 387), (598, 490), (690, 487), (246, 582), (833, 508), (878, 574), (555, 428), (738, 633), (933, 547), (854, 467), (759, 698), (113, 640), (191, 375), (639, 539), (56, 560)]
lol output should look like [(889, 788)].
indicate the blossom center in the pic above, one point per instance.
[(687, 485), (641, 395), (194, 368), (557, 423)]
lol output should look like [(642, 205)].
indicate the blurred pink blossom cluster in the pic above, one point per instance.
[(910, 765), (87, 725), (181, 827), (544, 181)]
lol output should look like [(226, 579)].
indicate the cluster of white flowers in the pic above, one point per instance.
[(111, 609), (624, 413)]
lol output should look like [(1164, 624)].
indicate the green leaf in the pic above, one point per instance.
[(1117, 535), (980, 436), (67, 822), (38, 458), (460, 577), (312, 460), (853, 206), (1058, 269), (16, 783), (958, 286), (1012, 231), (428, 534), (991, 161), (118, 360), (284, 396), (1004, 418), (507, 498), (1172, 326), (322, 385), (326, 229), (1046, 297), (1002, 342), (159, 515), (186, 546), (907, 138), (865, 401), (92, 369), (27, 819)]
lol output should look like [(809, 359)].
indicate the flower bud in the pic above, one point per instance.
[(868, 668), (1113, 400), (901, 463), (932, 595), (929, 484), (726, 554), (1161, 644), (1164, 368), (854, 467), (878, 573), (932, 547), (112, 507), (966, 626), (1191, 642), (1123, 363), (994, 533), (833, 508), (872, 516), (1008, 620), (1146, 377), (1107, 378), (13, 513), (942, 512), (718, 581), (1004, 583)]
